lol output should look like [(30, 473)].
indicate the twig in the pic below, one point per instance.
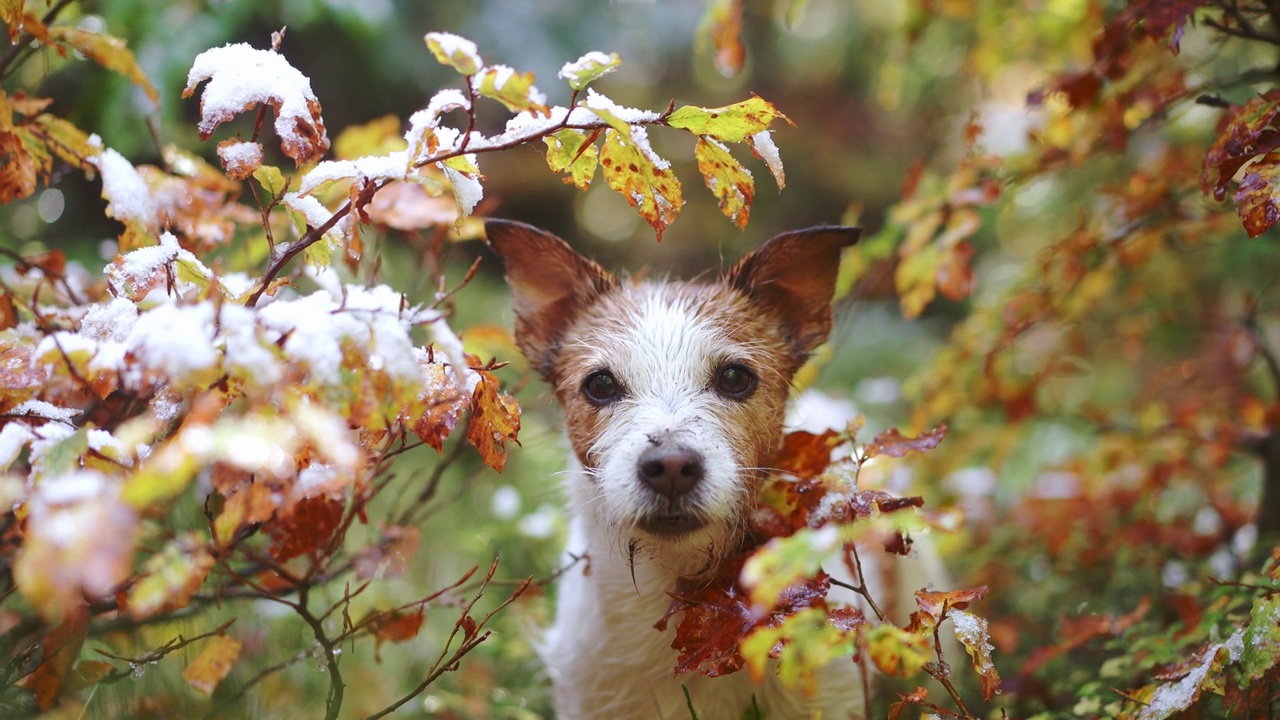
[(18, 47)]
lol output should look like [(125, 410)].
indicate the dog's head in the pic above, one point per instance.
[(673, 392)]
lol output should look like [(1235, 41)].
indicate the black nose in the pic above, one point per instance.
[(670, 470)]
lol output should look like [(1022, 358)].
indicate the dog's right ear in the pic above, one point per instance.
[(550, 282)]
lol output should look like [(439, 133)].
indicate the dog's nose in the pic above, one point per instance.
[(671, 470)]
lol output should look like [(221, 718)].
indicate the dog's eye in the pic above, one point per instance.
[(601, 387), (735, 381)]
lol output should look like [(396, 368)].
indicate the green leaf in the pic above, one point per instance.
[(271, 179), (731, 123), (573, 152), (644, 179), (786, 560), (588, 68), (457, 52), (727, 179), (1262, 637), (513, 89)]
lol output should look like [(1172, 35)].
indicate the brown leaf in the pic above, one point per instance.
[(955, 274), (61, 648), (495, 419), (936, 603), (440, 406), (1247, 132), (1257, 194), (804, 454), (18, 169), (305, 527), (395, 626), (895, 444), (212, 664)]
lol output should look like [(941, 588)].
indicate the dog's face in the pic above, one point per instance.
[(674, 393)]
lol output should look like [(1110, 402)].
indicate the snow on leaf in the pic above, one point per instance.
[(762, 146), (240, 159), (1262, 637), (937, 603), (1257, 197), (894, 444), (646, 181), (513, 89), (588, 68), (467, 191), (213, 664), (573, 152), (240, 77), (731, 123), (618, 117), (126, 192), (971, 630), (438, 408), (457, 52), (107, 51), (1172, 697), (495, 420), (727, 179)]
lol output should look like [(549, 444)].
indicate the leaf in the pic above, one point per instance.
[(644, 179), (1248, 132), (440, 406), (271, 180), (304, 527), (955, 272), (896, 651), (1256, 198), (18, 169), (971, 630), (892, 442), (805, 454), (573, 152), (588, 68), (107, 51), (495, 420), (250, 507), (762, 147), (513, 89), (61, 647), (1162, 18), (731, 123), (722, 27), (169, 578), (727, 179), (395, 626), (1262, 638), (804, 643), (783, 563), (936, 603), (213, 664), (454, 51)]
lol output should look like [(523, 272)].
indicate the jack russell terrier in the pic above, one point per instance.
[(674, 395)]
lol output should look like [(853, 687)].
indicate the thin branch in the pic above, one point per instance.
[(14, 50)]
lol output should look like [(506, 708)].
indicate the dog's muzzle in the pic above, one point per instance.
[(671, 471)]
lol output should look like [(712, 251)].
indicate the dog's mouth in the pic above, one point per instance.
[(671, 523)]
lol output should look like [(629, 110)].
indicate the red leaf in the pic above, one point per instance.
[(1256, 197), (1247, 132), (395, 626), (894, 444), (1162, 18), (805, 454), (306, 527)]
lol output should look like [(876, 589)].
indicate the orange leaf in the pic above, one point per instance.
[(936, 603), (251, 506), (645, 180), (212, 664), (61, 648), (805, 454), (396, 626), (495, 419), (306, 527), (443, 406)]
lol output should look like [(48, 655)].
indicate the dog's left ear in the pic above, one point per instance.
[(792, 277)]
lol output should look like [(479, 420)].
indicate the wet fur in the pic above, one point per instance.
[(666, 343)]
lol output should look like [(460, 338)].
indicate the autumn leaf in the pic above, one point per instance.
[(61, 648), (971, 630), (573, 152), (894, 444), (1256, 198), (731, 123), (897, 652), (395, 626), (936, 603), (169, 578), (495, 420), (588, 68), (18, 169), (805, 454), (456, 52), (721, 26), (644, 179), (513, 89), (249, 507), (440, 406), (213, 664), (107, 51), (305, 526), (727, 179), (1247, 132)]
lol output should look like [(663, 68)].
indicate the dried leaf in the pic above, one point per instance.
[(395, 626), (804, 454), (495, 420), (971, 630), (1248, 132), (1256, 198), (109, 52), (894, 444), (305, 527), (727, 179), (213, 664), (936, 603)]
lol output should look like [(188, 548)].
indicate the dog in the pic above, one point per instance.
[(674, 395)]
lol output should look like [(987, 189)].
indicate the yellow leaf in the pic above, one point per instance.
[(731, 123), (107, 51), (380, 136), (896, 651), (212, 664), (457, 52), (573, 152), (645, 180), (727, 179), (513, 89)]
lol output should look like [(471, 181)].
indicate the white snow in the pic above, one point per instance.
[(762, 147), (175, 341), (1173, 697), (240, 159), (241, 76), (608, 110), (45, 411), (141, 267), (124, 189), (972, 631), (13, 437), (460, 50), (111, 321), (466, 189), (445, 339), (571, 71)]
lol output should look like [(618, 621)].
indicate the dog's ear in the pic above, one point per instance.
[(792, 277), (550, 282)]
